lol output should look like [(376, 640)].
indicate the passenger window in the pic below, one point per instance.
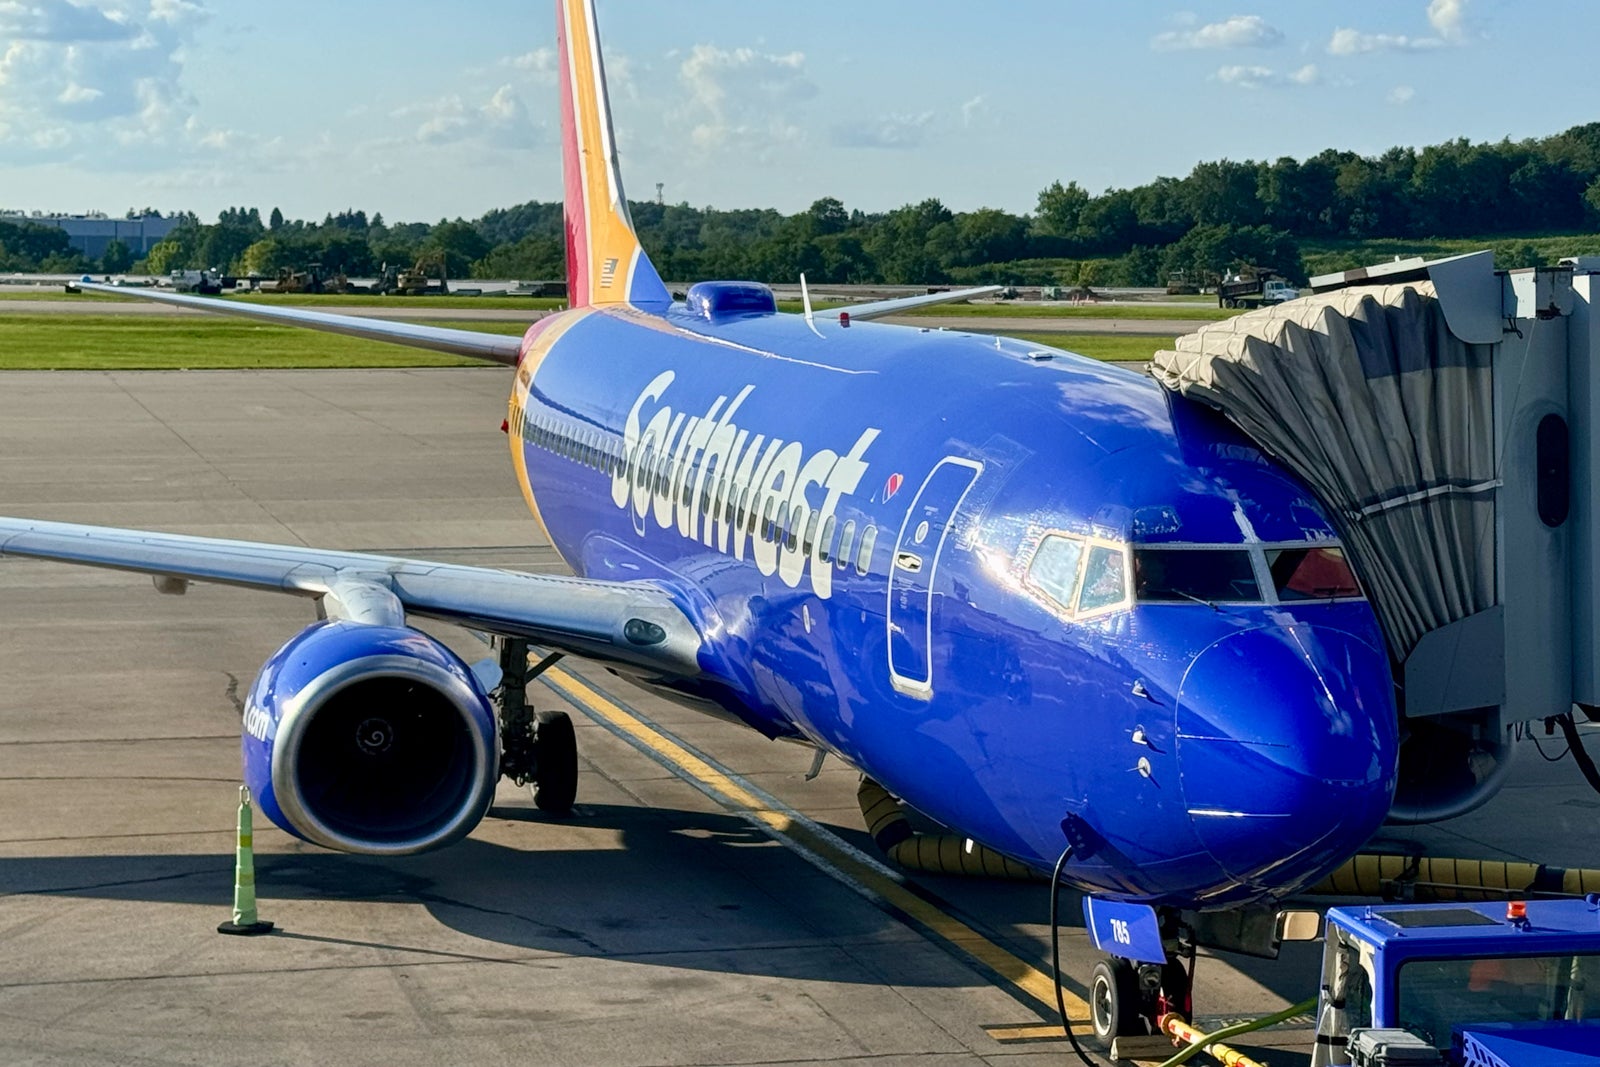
[(1195, 574), (780, 527), (869, 538), (847, 540), (797, 523), (1104, 580), (766, 518), (1317, 573), (827, 539), (811, 532), (1054, 569)]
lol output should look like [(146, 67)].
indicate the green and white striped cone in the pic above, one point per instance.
[(245, 920)]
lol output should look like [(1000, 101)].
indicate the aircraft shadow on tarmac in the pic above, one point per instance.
[(694, 890)]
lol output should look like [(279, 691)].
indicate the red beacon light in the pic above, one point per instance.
[(844, 318), (1517, 912)]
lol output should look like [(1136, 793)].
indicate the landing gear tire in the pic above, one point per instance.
[(555, 756), (1114, 1001)]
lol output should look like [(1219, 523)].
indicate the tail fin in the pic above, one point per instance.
[(605, 263)]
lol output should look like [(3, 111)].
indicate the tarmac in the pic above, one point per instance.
[(680, 917)]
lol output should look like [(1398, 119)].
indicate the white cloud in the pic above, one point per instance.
[(744, 96), (81, 75), (1258, 77), (502, 121), (1446, 18), (541, 63), (1348, 42), (1240, 31), (972, 109), (889, 131), (57, 20), (1401, 95)]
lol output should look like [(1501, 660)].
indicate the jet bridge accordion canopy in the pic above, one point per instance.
[(1389, 417), (1444, 413)]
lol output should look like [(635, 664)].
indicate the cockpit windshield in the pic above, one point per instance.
[(1210, 575), (1316, 572)]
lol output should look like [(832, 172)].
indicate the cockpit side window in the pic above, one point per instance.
[(1318, 572), (1054, 570), (1105, 580), (1209, 575)]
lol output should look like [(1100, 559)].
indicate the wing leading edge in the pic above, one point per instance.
[(497, 348), (629, 624)]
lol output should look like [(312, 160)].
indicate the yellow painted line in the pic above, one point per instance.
[(1018, 972), (1005, 1034)]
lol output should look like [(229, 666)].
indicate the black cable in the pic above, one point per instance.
[(1579, 754), (1055, 957), (1549, 759)]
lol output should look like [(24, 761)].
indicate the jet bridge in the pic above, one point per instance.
[(1445, 413)]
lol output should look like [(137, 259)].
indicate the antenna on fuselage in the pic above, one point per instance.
[(805, 298)]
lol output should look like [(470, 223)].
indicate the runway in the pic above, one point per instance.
[(666, 923)]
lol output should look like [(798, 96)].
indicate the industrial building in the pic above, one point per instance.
[(90, 234)]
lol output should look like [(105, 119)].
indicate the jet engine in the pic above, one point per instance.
[(1449, 765), (370, 739)]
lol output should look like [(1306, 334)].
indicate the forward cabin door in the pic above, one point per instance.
[(912, 571)]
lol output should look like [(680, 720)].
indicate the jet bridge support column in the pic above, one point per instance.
[(1583, 339)]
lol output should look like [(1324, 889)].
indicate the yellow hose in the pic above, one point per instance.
[(1196, 1042), (932, 853), (1426, 878)]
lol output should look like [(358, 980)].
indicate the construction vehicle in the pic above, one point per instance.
[(416, 280), (1254, 287), (313, 280)]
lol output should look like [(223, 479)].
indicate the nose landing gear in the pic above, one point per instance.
[(1128, 998)]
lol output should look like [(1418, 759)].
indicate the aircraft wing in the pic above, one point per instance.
[(626, 623), (497, 348), (879, 308)]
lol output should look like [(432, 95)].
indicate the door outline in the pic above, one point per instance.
[(922, 688)]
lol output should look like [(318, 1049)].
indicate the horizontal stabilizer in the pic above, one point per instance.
[(879, 308), (497, 348)]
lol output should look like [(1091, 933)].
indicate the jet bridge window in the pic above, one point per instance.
[(1207, 575)]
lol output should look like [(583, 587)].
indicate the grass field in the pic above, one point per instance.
[(1108, 347), (104, 342), (1205, 310), (47, 292), (1326, 257), (524, 303)]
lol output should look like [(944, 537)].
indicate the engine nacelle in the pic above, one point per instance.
[(1449, 766), (370, 739)]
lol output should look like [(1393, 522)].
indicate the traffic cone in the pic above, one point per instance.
[(245, 922)]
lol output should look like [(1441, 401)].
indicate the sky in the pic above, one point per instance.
[(429, 110)]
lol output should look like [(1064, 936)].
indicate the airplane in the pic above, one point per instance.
[(1078, 619)]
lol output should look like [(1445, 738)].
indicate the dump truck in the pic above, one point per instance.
[(1252, 289)]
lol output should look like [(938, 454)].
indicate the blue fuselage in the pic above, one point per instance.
[(854, 517)]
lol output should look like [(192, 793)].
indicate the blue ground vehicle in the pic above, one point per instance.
[(1479, 983)]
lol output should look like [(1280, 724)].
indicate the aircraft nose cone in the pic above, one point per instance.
[(1287, 748)]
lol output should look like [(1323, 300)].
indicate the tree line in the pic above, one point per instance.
[(1223, 216)]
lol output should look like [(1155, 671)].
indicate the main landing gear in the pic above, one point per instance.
[(1128, 998), (537, 748)]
